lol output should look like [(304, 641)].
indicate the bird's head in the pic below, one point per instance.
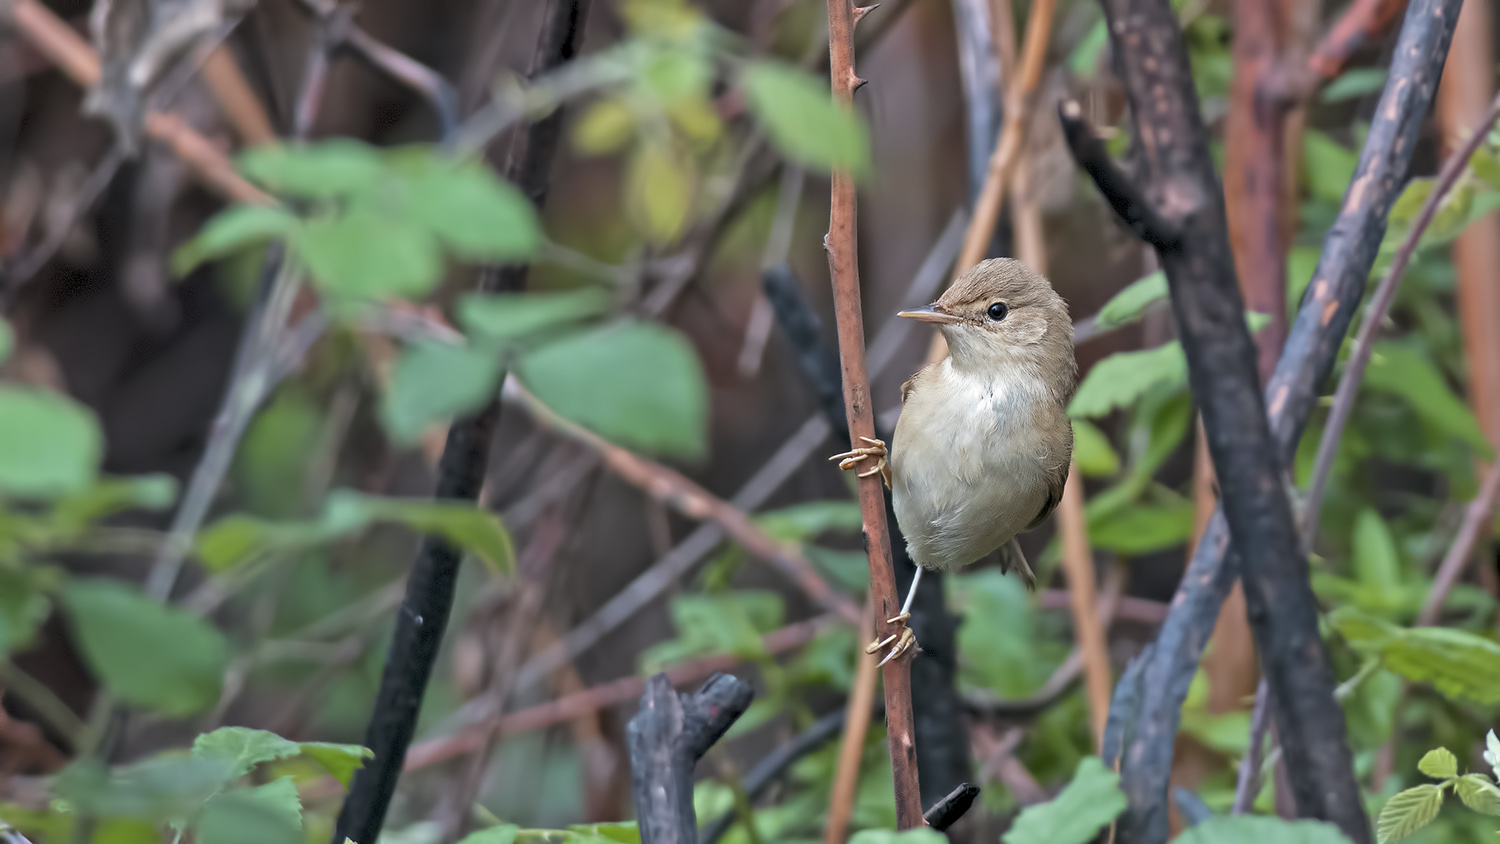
[(1001, 313)]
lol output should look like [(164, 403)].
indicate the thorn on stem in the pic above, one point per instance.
[(856, 84), (861, 11)]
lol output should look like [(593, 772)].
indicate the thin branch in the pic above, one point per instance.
[(1118, 190), (950, 809), (1375, 313), (1088, 627), (44, 703), (1247, 787), (852, 742), (1147, 706), (1172, 142), (775, 764), (695, 502), (843, 265), (1477, 519)]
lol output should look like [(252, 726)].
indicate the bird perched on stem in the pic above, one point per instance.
[(982, 449)]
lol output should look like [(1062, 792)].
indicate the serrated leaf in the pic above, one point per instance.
[(1092, 451), (229, 231), (146, 655), (436, 381), (339, 760), (370, 255), (243, 748), (510, 316), (1407, 812), (321, 170), (503, 834), (1457, 663), (1478, 793), (1129, 304), (267, 814), (1439, 763), (803, 120), (603, 127), (1377, 562), (50, 445), (1257, 829), (1120, 379), (476, 215), (165, 789), (1089, 803), (637, 384), (659, 192)]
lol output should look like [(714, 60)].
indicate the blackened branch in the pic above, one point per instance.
[(1146, 712), (1122, 194), (666, 739)]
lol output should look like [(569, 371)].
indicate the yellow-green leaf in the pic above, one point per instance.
[(660, 192), (1407, 812), (1439, 763)]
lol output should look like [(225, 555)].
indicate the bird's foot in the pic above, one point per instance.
[(901, 641), (851, 460)]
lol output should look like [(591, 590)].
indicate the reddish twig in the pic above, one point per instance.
[(1380, 304), (1360, 23), (1476, 520), (852, 743), (843, 264)]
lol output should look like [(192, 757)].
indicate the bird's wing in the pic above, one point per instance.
[(1055, 480), (906, 387)]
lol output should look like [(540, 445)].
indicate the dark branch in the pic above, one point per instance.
[(1127, 200), (667, 738), (1172, 142), (429, 589), (948, 810), (1145, 713)]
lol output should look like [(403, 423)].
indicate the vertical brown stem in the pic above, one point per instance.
[(852, 743), (843, 265)]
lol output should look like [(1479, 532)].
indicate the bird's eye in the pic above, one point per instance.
[(998, 311)]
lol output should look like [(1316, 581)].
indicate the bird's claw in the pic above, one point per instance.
[(901, 641), (851, 459)]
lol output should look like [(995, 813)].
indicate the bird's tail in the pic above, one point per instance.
[(1012, 560)]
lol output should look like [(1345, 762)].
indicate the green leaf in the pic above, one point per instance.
[(1407, 812), (510, 316), (1486, 167), (112, 495), (627, 832), (7, 340), (23, 604), (799, 113), (1406, 206), (603, 127), (243, 748), (1356, 83), (1259, 829), (801, 522), (1439, 763), (659, 191), (1089, 803), (1095, 457), (1129, 304), (1084, 59), (637, 384), (436, 381), (1377, 563), (50, 445), (503, 834), (1327, 166), (147, 655), (267, 814), (1120, 379), (477, 216), (339, 760), (1478, 793), (726, 623), (164, 789), (229, 231), (326, 169), (1400, 370), (920, 835), (1143, 528), (1457, 663), (370, 255), (233, 539)]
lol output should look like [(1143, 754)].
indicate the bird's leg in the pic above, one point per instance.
[(903, 640), (851, 459)]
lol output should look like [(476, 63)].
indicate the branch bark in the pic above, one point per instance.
[(1184, 190), (1148, 700), (843, 265), (667, 738)]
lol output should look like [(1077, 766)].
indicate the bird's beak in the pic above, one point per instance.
[(930, 314)]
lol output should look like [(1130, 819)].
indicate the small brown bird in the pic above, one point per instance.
[(983, 445)]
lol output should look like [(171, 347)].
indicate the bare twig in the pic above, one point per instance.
[(852, 743), (1088, 627), (843, 264), (1375, 312), (1476, 521), (1247, 788)]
